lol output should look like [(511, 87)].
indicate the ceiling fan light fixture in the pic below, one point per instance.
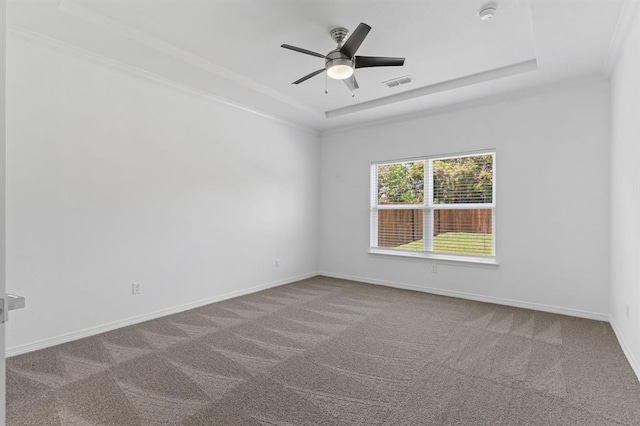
[(338, 66), (339, 71)]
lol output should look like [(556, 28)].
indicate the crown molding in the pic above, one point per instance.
[(455, 83), (464, 105), (119, 28), (628, 14), (144, 74)]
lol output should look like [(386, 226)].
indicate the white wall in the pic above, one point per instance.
[(3, 27), (552, 154), (114, 178), (625, 195)]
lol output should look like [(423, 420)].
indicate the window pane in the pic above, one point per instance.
[(467, 231), (401, 183), (400, 229), (463, 180)]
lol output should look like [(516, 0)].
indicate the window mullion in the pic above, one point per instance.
[(427, 215), (467, 206), (399, 206), (374, 206)]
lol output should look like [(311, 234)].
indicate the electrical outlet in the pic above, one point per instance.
[(626, 310), (135, 287), (276, 263), (434, 269)]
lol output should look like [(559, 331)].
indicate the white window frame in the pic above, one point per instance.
[(428, 207)]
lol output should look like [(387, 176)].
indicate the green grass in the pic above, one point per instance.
[(452, 242)]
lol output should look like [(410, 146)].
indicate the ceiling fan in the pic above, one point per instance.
[(341, 61)]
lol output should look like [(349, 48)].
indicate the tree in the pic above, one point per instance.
[(401, 183), (463, 180), (455, 180)]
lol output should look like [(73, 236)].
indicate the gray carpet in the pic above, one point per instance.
[(333, 352)]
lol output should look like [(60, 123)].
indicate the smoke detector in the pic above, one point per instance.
[(487, 11)]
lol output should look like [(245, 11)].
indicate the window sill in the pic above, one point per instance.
[(462, 260)]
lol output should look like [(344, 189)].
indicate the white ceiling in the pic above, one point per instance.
[(231, 48)]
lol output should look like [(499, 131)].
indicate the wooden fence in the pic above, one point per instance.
[(397, 227)]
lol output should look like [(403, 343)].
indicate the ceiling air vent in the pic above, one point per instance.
[(398, 81)]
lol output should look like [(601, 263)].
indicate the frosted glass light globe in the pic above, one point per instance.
[(340, 72)]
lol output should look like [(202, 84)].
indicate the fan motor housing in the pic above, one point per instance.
[(334, 58)]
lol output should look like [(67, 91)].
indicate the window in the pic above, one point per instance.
[(441, 208)]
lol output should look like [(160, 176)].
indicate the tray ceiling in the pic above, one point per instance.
[(230, 49)]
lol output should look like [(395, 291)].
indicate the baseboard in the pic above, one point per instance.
[(476, 297), (625, 348), (68, 337)]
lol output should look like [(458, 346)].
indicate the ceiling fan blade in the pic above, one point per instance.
[(351, 82), (355, 40), (378, 61), (308, 76), (301, 50)]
